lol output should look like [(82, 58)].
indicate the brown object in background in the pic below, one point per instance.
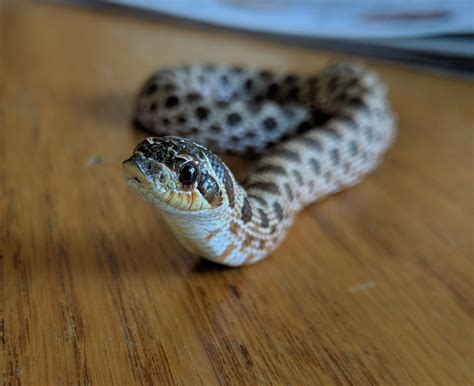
[(372, 286)]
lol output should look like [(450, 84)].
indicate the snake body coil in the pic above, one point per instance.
[(314, 136)]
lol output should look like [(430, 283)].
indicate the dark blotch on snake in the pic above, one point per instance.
[(289, 192), (303, 126), (369, 134), (217, 166), (313, 81), (331, 131), (264, 218), (229, 187), (335, 156), (202, 113), (293, 94), (348, 119), (269, 124), (215, 128), (170, 87), (352, 83), (193, 97), (347, 167), (311, 142), (298, 177), (265, 74), (172, 101), (355, 101), (353, 148), (332, 84), (249, 84), (151, 89), (273, 90), (234, 119), (246, 211), (222, 104), (251, 150), (313, 88), (278, 210), (315, 165), (287, 154), (265, 186), (258, 199), (224, 79), (275, 169), (320, 117), (237, 69), (290, 78), (209, 188)]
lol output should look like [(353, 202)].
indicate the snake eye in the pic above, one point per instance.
[(188, 174)]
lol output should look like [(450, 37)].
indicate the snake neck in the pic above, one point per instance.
[(243, 232)]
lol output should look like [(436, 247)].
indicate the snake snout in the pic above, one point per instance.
[(132, 171)]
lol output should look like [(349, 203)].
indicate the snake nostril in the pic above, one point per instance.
[(136, 180), (162, 177)]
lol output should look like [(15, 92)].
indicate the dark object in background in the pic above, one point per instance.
[(431, 34)]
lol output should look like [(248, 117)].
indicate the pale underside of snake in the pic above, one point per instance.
[(312, 136)]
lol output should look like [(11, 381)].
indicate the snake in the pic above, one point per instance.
[(307, 137)]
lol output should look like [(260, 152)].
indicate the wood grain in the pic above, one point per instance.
[(374, 286)]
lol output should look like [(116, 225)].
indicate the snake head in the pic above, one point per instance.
[(174, 174)]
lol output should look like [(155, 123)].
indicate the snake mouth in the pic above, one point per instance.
[(134, 174)]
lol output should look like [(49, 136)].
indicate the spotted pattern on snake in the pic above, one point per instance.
[(313, 136)]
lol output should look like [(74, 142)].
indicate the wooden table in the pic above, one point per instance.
[(372, 286)]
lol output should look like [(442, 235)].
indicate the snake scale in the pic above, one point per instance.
[(310, 136)]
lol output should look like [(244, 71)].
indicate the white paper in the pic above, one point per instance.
[(367, 19)]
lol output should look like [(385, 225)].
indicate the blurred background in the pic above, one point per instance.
[(436, 35), (373, 286)]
